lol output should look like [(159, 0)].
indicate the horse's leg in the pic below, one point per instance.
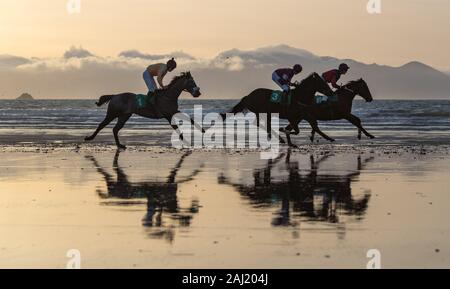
[(313, 134), (119, 125), (315, 127), (288, 138), (356, 121), (175, 128), (293, 125), (109, 118), (196, 125), (269, 126)]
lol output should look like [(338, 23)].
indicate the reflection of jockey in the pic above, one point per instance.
[(332, 76), (158, 70)]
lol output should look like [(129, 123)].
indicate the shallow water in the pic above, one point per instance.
[(68, 121), (218, 210)]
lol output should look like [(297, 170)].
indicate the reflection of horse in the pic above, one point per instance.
[(313, 197), (161, 196)]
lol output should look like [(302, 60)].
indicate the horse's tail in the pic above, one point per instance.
[(240, 106), (237, 108), (103, 99)]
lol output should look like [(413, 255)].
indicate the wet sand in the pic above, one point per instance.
[(152, 207)]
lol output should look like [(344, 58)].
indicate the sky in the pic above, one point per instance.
[(405, 30)]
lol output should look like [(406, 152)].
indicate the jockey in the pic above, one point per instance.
[(332, 76), (158, 70), (283, 76)]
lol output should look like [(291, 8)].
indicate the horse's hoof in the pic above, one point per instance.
[(311, 139), (293, 146), (371, 137), (332, 140), (88, 138), (121, 146)]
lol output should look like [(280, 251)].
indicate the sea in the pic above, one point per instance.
[(403, 122)]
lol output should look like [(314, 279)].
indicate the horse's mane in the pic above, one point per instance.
[(176, 78), (353, 82), (307, 78)]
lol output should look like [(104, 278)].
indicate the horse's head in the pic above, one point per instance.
[(317, 84), (360, 87), (187, 83), (191, 86)]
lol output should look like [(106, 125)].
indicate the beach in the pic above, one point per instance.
[(319, 206)]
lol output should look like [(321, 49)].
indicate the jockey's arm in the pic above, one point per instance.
[(334, 83), (161, 74), (288, 80)]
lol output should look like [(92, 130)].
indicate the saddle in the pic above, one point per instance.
[(142, 100), (327, 100), (277, 97)]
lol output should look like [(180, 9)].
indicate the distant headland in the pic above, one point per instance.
[(25, 96)]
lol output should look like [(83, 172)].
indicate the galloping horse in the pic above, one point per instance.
[(123, 106), (258, 101), (341, 109)]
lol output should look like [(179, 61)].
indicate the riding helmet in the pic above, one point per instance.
[(298, 68), (343, 67)]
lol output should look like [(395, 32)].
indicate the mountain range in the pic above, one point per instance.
[(80, 73), (413, 80)]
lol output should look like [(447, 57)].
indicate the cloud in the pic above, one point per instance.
[(10, 61), (231, 74), (138, 54), (77, 52)]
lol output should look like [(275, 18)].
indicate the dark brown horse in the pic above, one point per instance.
[(124, 105), (258, 102), (341, 109)]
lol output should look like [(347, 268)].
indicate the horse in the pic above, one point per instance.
[(258, 101), (124, 105), (341, 109)]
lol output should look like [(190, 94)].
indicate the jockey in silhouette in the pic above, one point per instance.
[(283, 76), (332, 76), (158, 70)]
